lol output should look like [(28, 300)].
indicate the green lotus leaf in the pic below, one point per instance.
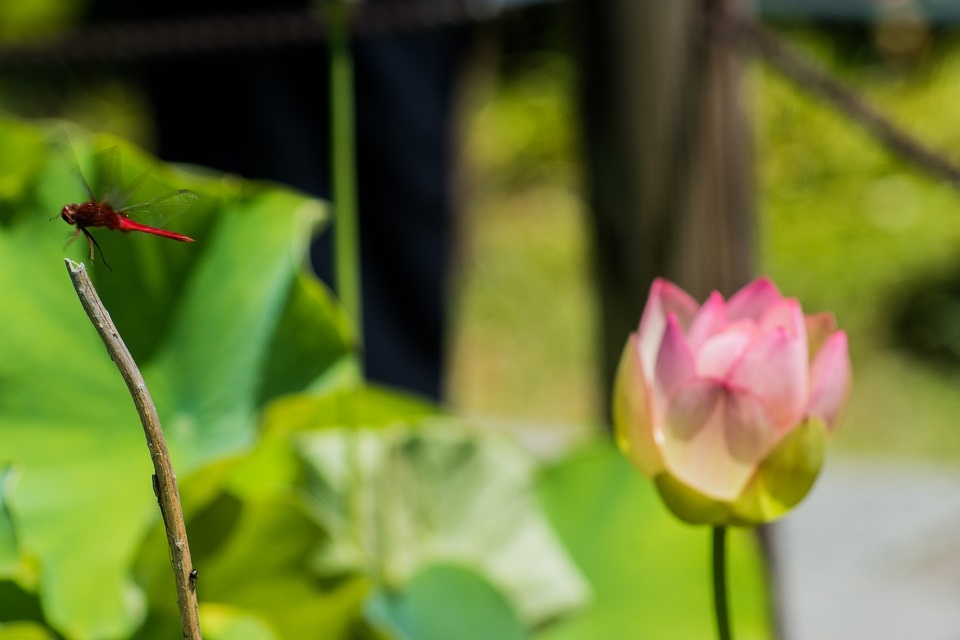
[(650, 572), (217, 327), (253, 557), (9, 549), (222, 622), (443, 602), (398, 499), (25, 631), (351, 405)]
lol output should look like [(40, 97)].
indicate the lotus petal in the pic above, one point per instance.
[(785, 476), (710, 319), (722, 351), (774, 370), (788, 314), (665, 298), (633, 426), (753, 300), (714, 437), (830, 381), (676, 366)]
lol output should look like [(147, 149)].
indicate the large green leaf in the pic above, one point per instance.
[(397, 499), (24, 631), (253, 555), (296, 531), (254, 539), (18, 574), (444, 602), (9, 547), (351, 406), (221, 622), (217, 327), (649, 571)]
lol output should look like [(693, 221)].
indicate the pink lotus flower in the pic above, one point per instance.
[(728, 406)]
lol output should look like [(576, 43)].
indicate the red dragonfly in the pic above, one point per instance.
[(145, 217)]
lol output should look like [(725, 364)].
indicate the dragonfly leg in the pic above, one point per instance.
[(72, 238), (93, 243)]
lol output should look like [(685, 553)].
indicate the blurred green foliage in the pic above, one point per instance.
[(649, 572), (843, 226), (524, 306), (848, 227), (25, 20), (226, 332)]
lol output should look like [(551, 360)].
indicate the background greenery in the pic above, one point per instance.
[(843, 226)]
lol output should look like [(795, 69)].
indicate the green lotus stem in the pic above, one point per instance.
[(346, 243), (720, 602), (346, 237)]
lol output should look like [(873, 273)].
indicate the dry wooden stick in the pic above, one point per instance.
[(164, 481)]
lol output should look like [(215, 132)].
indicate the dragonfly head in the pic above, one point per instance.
[(69, 212)]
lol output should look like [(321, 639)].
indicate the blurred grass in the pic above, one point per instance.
[(524, 336), (844, 226)]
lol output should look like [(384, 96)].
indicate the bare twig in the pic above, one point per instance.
[(164, 481), (751, 37)]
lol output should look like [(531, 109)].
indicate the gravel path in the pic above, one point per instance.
[(874, 553)]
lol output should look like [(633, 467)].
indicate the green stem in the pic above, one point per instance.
[(346, 248), (346, 241), (720, 603)]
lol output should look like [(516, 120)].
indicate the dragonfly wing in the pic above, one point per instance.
[(161, 210), (109, 175), (67, 160)]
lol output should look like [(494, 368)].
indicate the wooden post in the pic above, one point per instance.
[(667, 154), (669, 170)]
